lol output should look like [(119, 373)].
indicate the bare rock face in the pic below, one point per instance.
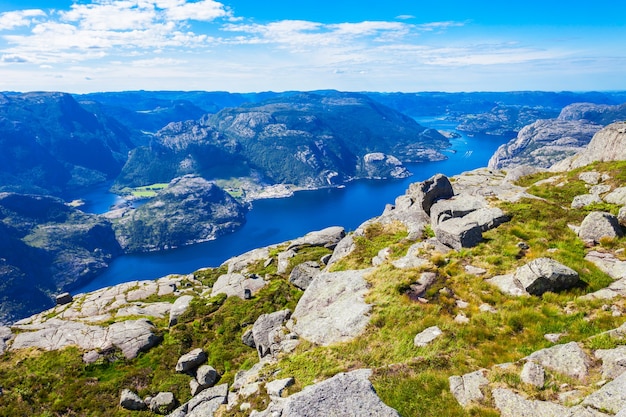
[(544, 142), (609, 144), (598, 225), (348, 394), (333, 308)]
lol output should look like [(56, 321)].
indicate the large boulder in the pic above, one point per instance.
[(333, 307), (328, 238), (348, 394), (266, 331), (598, 225), (545, 274), (131, 401), (302, 274)]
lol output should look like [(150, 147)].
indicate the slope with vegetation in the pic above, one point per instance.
[(480, 325)]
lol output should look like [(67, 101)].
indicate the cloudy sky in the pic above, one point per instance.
[(365, 45)]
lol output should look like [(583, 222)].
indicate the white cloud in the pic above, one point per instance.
[(15, 19)]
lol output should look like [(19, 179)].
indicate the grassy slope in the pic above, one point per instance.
[(412, 380)]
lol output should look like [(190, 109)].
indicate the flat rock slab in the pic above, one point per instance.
[(328, 238), (568, 359), (235, 285), (344, 395), (611, 397), (333, 308), (131, 337)]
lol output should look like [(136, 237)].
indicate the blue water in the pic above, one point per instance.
[(278, 220)]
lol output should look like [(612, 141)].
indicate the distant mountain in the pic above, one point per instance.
[(47, 247), (306, 139), (52, 145)]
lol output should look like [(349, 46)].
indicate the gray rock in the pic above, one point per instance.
[(621, 216), (163, 403), (302, 274), (613, 361), (248, 338), (131, 401), (617, 196), (457, 206), (611, 397), (598, 225), (328, 238), (333, 307), (64, 298), (459, 233), (277, 387), (236, 285), (426, 193), (191, 360), (348, 394), (179, 308), (513, 405), (585, 200), (206, 376), (545, 274), (568, 359), (533, 374), (207, 402), (467, 388), (590, 177), (267, 330), (426, 336)]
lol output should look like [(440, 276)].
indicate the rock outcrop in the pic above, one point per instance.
[(609, 144)]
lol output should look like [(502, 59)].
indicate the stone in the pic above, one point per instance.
[(207, 402), (302, 274), (333, 308), (545, 274), (248, 338), (621, 216), (590, 177), (533, 374), (64, 298), (277, 387), (467, 388), (236, 285), (611, 397), (328, 238), (348, 394), (131, 401), (179, 307), (265, 330), (598, 225), (163, 403), (613, 361), (426, 336), (206, 376), (568, 359), (617, 196), (427, 193), (458, 233), (191, 360), (585, 200)]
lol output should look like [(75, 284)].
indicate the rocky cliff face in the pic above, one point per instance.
[(190, 210), (47, 247), (609, 144)]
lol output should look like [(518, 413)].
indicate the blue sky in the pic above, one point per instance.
[(366, 45)]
